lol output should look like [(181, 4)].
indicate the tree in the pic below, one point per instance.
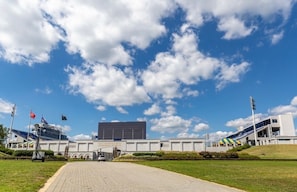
[(3, 134)]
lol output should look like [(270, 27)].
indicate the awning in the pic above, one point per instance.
[(229, 141)]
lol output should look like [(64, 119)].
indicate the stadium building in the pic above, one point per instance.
[(116, 138), (272, 130)]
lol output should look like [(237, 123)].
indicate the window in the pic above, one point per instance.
[(274, 120)]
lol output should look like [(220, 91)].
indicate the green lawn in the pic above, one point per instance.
[(262, 176), (254, 175), (283, 151), (25, 175)]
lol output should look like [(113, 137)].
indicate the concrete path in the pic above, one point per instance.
[(124, 177)]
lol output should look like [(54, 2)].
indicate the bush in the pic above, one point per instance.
[(29, 153), (144, 154), (6, 150), (219, 155), (181, 156)]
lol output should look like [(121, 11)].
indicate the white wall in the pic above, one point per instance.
[(286, 125)]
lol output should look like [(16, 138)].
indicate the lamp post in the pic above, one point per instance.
[(253, 107), (60, 130)]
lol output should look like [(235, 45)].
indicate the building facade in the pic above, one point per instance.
[(121, 130), (268, 131)]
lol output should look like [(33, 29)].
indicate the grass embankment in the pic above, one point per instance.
[(273, 151), (26, 176), (254, 176)]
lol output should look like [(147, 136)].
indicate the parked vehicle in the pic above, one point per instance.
[(101, 158)]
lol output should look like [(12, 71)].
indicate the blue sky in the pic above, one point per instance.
[(185, 67)]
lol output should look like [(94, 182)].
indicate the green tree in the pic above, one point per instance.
[(3, 134)]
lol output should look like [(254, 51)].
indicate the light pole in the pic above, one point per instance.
[(253, 107), (11, 125), (60, 130)]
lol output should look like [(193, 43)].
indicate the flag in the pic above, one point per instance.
[(13, 110), (64, 118), (32, 115), (43, 120)]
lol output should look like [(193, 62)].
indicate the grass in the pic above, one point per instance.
[(25, 175), (273, 151), (253, 176)]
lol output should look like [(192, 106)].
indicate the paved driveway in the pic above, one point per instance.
[(124, 177)]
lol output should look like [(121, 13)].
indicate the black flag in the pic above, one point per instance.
[(64, 118)]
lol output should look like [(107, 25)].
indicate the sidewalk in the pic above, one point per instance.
[(124, 177)]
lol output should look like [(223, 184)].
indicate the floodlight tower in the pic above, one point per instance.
[(253, 107)]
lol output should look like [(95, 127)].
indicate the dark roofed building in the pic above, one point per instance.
[(122, 130)]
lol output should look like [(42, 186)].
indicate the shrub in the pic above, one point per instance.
[(181, 156), (219, 155), (6, 150)]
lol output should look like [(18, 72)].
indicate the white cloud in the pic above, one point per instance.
[(46, 90), (26, 36), (234, 28), (216, 136), (98, 29), (170, 124), (170, 110), (184, 66), (234, 14), (284, 109), (122, 110), (231, 74), (244, 122), (201, 126), (187, 135), (81, 137), (294, 101), (277, 37), (101, 108), (106, 85), (154, 109), (5, 106)]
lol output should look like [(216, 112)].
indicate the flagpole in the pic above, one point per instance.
[(28, 133), (11, 124)]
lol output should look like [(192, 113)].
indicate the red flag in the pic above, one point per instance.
[(32, 115)]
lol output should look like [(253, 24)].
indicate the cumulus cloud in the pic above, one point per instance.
[(187, 135), (116, 23), (237, 18), (241, 123), (285, 109), (216, 136), (5, 106), (170, 124), (122, 110), (154, 109), (106, 85), (201, 126), (81, 137), (185, 66), (231, 74), (294, 101), (234, 28), (277, 37), (37, 37)]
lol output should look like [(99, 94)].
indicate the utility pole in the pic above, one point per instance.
[(253, 107)]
